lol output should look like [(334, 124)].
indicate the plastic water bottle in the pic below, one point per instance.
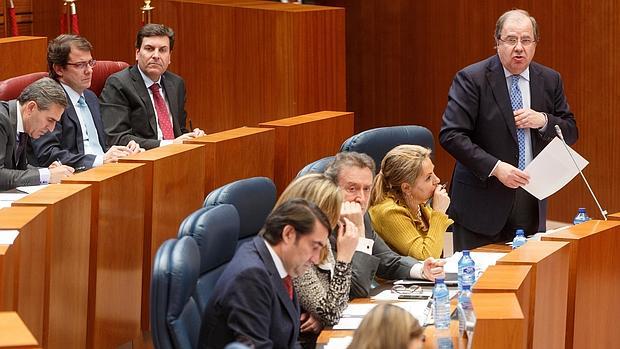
[(463, 307), (519, 239), (467, 270), (581, 216), (441, 300)]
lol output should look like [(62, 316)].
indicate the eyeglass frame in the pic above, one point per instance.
[(82, 65), (402, 289), (528, 42)]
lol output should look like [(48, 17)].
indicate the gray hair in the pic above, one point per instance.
[(506, 15), (44, 92), (348, 159)]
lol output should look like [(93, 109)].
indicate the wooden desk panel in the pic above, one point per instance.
[(499, 321), (22, 283), (15, 333), (510, 279), (549, 278), (236, 154), (116, 243), (27, 55), (306, 138), (594, 281), (174, 182), (67, 255)]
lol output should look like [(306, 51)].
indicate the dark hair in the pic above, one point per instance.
[(150, 30), (44, 92), (58, 51), (348, 159), (504, 17), (301, 214)]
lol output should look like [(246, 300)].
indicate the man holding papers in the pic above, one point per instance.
[(501, 113)]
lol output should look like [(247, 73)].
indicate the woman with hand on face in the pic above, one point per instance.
[(399, 210), (323, 290)]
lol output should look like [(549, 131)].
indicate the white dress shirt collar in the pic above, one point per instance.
[(276, 260), (20, 122), (525, 74), (147, 81)]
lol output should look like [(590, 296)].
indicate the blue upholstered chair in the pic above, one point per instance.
[(253, 198), (216, 231), (175, 316), (377, 142), (317, 166)]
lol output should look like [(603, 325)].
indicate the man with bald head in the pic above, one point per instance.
[(501, 113)]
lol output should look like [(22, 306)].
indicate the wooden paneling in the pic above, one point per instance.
[(593, 283), (236, 154), (15, 333), (22, 55), (499, 321), (306, 138)]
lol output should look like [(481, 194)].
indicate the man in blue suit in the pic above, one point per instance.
[(79, 139), (501, 113), (254, 302)]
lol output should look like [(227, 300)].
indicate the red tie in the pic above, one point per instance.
[(163, 117), (288, 283)]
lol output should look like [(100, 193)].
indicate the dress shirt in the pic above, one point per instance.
[(148, 82), (364, 245), (44, 173), (74, 97), (276, 260)]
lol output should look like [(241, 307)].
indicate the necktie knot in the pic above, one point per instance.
[(154, 88), (515, 79), (81, 102)]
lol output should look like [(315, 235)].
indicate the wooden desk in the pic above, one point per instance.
[(27, 55), (306, 138), (23, 267), (116, 243), (174, 182), (237, 154), (67, 253), (15, 333), (549, 290), (593, 283)]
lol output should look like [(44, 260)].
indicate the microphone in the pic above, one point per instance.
[(558, 131)]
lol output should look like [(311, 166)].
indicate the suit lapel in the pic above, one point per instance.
[(497, 81), (91, 101), (173, 103), (537, 87), (71, 114), (140, 88), (292, 307)]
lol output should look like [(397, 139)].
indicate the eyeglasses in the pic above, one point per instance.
[(402, 289), (82, 65), (513, 40)]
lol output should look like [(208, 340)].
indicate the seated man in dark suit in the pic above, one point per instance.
[(254, 302), (34, 113), (79, 139), (145, 102)]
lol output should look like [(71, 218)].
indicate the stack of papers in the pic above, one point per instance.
[(339, 343)]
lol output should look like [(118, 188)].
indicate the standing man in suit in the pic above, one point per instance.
[(79, 139), (254, 302), (501, 113), (35, 112), (353, 173), (145, 102)]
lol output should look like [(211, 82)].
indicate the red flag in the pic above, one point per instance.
[(12, 19), (63, 20), (75, 29)]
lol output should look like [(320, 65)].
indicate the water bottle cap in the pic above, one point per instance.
[(466, 287), (438, 280), (520, 232), (465, 252), (582, 210)]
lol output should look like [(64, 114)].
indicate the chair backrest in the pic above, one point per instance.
[(11, 88), (253, 198), (216, 231), (317, 166), (377, 142), (175, 317)]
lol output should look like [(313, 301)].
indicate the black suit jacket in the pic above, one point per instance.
[(13, 172), (66, 143), (478, 129), (127, 110), (250, 303)]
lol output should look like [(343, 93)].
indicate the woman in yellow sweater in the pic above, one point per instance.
[(399, 211)]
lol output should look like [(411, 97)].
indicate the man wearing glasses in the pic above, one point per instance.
[(501, 113), (79, 139)]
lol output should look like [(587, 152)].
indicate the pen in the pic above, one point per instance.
[(58, 161)]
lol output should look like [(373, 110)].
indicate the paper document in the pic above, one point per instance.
[(7, 237), (339, 343), (552, 169), (32, 188)]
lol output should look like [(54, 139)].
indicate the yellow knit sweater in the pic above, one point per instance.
[(403, 231)]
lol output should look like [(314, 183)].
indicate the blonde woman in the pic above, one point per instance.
[(323, 290), (387, 326), (399, 211)]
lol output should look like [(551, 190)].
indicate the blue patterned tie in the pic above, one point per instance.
[(517, 103), (91, 131)]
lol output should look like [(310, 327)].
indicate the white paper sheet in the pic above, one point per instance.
[(482, 260), (348, 323), (354, 309), (32, 188), (339, 343), (10, 197), (552, 169), (7, 237)]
